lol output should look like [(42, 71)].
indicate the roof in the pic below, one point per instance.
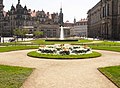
[(33, 13)]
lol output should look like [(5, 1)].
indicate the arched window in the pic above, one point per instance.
[(119, 7), (108, 9)]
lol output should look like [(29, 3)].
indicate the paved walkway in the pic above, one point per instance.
[(63, 73)]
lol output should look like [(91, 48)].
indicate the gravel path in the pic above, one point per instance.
[(51, 73)]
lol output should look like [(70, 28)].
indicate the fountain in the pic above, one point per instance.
[(61, 33), (61, 25), (62, 37), (63, 49)]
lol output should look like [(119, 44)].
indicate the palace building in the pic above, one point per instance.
[(104, 20), (20, 17), (1, 17), (80, 28)]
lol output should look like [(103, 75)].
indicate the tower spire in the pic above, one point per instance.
[(18, 1), (61, 16), (74, 20), (61, 7)]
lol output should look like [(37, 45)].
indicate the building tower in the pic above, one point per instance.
[(1, 18), (18, 1), (1, 8), (74, 20), (61, 23), (19, 13), (1, 5)]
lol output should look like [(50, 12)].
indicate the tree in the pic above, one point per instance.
[(16, 33), (37, 34), (23, 33), (20, 32)]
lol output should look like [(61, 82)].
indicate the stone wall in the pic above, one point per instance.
[(103, 20)]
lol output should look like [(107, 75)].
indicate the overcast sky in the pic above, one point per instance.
[(71, 8)]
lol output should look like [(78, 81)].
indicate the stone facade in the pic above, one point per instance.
[(80, 28), (16, 18), (49, 31), (1, 18), (103, 20), (19, 17), (68, 29), (94, 19)]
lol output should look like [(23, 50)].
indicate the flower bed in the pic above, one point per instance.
[(64, 49)]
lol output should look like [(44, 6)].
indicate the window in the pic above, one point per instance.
[(108, 9), (119, 8), (103, 11)]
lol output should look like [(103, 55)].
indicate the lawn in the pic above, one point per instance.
[(113, 73), (14, 43), (13, 77), (14, 48), (110, 43), (108, 48), (51, 56), (105, 45)]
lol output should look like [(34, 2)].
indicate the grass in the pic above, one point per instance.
[(108, 48), (110, 43), (13, 43), (13, 77), (113, 73), (51, 56), (43, 42), (105, 45), (14, 48)]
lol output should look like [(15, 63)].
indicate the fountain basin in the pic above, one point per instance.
[(65, 40)]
